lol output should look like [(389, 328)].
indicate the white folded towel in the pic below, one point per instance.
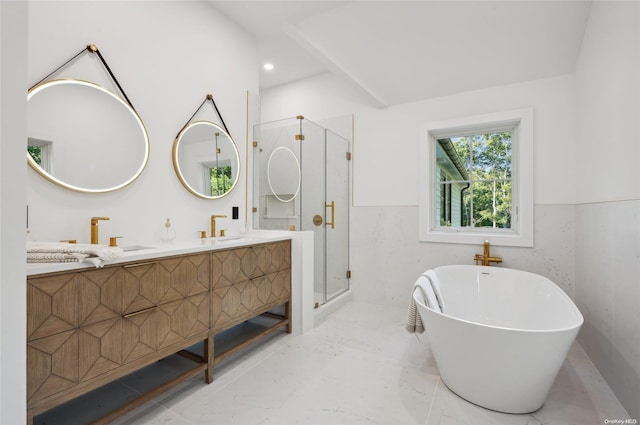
[(97, 255), (414, 321), (54, 257), (431, 296), (435, 285)]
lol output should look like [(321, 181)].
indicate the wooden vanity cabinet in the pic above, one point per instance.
[(89, 327)]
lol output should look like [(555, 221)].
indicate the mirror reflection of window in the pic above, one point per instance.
[(41, 152), (217, 177), (474, 180), (206, 160)]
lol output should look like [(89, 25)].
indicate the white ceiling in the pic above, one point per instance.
[(403, 51)]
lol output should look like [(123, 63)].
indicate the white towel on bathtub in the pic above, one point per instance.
[(430, 295), (435, 285), (429, 287), (414, 321)]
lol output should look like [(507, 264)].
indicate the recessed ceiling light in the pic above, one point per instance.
[(268, 66)]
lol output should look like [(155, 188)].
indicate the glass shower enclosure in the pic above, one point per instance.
[(301, 182)]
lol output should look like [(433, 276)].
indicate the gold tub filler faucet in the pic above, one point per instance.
[(486, 259)]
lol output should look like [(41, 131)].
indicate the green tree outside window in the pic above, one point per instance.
[(486, 202)]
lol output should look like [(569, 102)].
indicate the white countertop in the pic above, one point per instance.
[(157, 250)]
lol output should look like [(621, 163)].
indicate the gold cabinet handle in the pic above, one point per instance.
[(135, 313), (146, 263), (332, 223)]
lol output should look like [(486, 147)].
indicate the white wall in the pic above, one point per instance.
[(13, 131), (386, 256), (167, 56), (608, 196)]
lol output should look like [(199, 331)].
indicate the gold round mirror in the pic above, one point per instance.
[(206, 160), (84, 137)]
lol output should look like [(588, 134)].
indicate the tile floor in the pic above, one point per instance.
[(357, 367)]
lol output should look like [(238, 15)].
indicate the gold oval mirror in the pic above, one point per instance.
[(84, 137), (206, 160)]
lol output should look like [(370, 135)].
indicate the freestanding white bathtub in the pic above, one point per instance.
[(502, 336)]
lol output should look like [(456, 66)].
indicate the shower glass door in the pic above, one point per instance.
[(301, 182), (336, 213), (312, 211)]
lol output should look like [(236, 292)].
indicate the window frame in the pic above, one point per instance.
[(521, 232)]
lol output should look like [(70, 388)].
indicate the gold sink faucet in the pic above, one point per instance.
[(486, 258), (94, 228), (213, 224)]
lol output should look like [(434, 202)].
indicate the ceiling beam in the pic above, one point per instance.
[(333, 64)]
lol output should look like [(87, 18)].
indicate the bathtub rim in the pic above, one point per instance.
[(574, 308)]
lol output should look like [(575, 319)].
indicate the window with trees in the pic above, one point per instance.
[(476, 183), (475, 170)]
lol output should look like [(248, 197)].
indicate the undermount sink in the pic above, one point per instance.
[(229, 239), (135, 248)]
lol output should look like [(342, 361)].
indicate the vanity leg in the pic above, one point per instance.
[(208, 354), (287, 308)]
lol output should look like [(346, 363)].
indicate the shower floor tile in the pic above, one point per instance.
[(358, 367)]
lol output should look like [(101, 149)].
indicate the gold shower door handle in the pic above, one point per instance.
[(332, 223)]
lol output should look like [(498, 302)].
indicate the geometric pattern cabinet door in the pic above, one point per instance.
[(150, 284), (52, 365), (165, 302), (250, 280), (60, 310), (81, 325), (232, 297), (169, 324), (58, 306)]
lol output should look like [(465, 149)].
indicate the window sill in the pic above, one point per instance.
[(459, 236)]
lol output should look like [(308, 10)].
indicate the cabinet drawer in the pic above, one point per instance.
[(235, 303), (166, 325), (241, 264), (153, 283), (232, 266), (273, 257)]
